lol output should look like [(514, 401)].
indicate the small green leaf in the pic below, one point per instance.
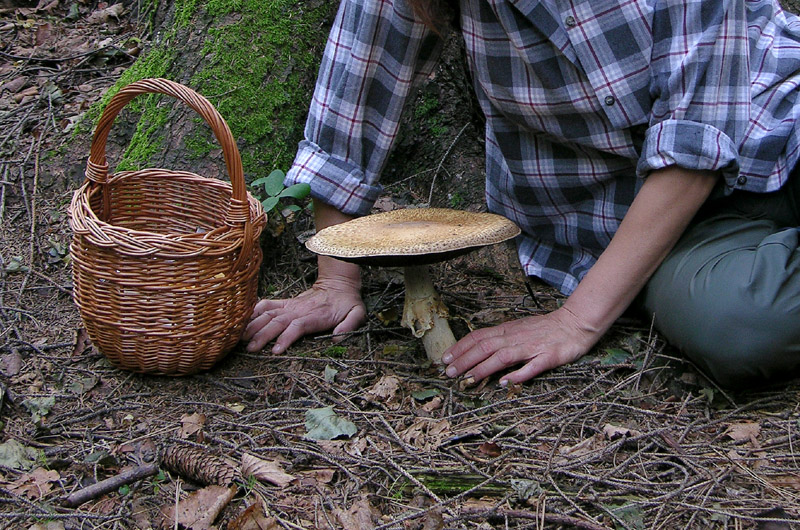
[(615, 356), (269, 203), (124, 490), (422, 395), (39, 407), (273, 184), (14, 455), (525, 489), (330, 373), (325, 424), (630, 515), (296, 191)]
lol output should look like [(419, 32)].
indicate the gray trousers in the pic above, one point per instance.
[(728, 295)]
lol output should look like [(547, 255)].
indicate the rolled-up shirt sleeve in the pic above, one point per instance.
[(375, 54), (700, 87)]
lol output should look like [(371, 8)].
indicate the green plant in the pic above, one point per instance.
[(273, 187)]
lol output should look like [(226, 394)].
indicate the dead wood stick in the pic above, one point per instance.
[(110, 484)]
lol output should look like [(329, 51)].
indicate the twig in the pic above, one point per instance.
[(441, 160), (554, 518), (110, 484)]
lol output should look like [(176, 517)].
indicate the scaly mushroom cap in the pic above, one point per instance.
[(412, 236)]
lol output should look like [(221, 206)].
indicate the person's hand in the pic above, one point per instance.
[(540, 342), (330, 303)]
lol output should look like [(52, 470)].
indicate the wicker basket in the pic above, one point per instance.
[(165, 263)]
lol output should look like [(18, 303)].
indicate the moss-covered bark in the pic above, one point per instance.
[(255, 61)]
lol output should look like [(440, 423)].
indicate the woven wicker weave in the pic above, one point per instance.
[(165, 263)]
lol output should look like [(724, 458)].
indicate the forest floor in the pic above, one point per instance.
[(632, 436)]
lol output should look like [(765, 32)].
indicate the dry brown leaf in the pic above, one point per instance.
[(491, 449), (265, 470), (426, 433), (745, 431), (35, 484), (316, 476), (11, 364), (191, 424), (29, 92), (104, 15), (44, 32), (199, 510), (385, 391), (612, 432), (253, 518), (433, 404), (360, 515), (582, 448)]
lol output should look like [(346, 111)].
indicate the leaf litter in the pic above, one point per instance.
[(631, 437)]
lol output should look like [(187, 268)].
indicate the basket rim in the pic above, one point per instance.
[(85, 221)]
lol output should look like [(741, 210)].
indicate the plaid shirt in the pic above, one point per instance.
[(583, 98)]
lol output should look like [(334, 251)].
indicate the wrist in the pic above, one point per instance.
[(337, 272)]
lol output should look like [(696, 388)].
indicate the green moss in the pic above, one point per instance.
[(252, 74), (257, 71)]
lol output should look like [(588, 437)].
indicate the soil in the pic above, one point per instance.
[(632, 436)]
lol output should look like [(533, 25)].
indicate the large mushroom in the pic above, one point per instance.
[(414, 238)]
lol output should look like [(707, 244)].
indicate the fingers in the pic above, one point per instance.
[(538, 344), (354, 319), (267, 305)]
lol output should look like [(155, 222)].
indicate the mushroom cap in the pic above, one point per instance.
[(412, 236)]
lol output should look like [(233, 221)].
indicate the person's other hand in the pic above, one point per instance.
[(540, 342), (329, 304)]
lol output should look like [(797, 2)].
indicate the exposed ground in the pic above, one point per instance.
[(630, 437)]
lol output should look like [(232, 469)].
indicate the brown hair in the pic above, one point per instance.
[(436, 14)]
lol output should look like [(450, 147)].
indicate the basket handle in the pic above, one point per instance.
[(97, 166)]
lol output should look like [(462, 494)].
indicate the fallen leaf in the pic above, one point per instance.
[(330, 373), (104, 15), (17, 456), (316, 476), (191, 424), (612, 432), (265, 470), (82, 342), (385, 391), (199, 510), (490, 449), (253, 518), (433, 404), (426, 433), (11, 364), (741, 432), (589, 445), (325, 424), (360, 515), (235, 407), (36, 484)]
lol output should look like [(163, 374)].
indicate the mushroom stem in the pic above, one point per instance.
[(425, 313)]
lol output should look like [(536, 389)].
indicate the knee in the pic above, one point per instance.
[(739, 345)]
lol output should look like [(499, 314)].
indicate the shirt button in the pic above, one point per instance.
[(569, 21), (741, 181), (610, 100)]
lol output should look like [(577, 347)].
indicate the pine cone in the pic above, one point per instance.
[(199, 465)]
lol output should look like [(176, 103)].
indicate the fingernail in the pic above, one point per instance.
[(504, 383), (447, 358), (451, 371)]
